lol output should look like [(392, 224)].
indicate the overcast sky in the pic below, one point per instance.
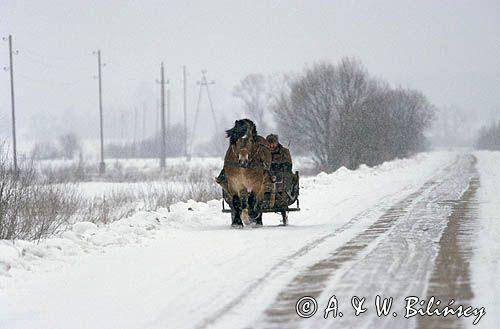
[(450, 50)]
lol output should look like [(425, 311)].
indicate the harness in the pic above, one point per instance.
[(252, 163)]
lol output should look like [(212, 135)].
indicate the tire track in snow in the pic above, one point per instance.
[(383, 259), (284, 263), (314, 281), (451, 277)]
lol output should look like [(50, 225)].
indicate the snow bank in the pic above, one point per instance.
[(85, 236), (486, 259), (82, 238), (343, 174)]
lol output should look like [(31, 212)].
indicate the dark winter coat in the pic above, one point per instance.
[(281, 159)]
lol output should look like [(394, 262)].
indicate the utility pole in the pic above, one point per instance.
[(158, 111), (143, 121), (168, 110), (185, 113), (204, 83), (102, 165), (123, 125), (163, 142), (12, 100), (135, 132)]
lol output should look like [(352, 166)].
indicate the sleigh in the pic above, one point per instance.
[(281, 196)]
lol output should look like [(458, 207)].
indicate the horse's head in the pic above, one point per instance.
[(243, 137)]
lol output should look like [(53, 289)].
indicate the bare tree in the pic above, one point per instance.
[(411, 113), (342, 117), (252, 91), (321, 110), (489, 138), (45, 150), (69, 145), (307, 114), (353, 88)]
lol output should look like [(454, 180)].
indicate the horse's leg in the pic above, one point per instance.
[(245, 208), (285, 218), (251, 206), (235, 213), (254, 206), (236, 219), (258, 221)]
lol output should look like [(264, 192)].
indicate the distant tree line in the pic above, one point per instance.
[(341, 116), (149, 147), (489, 138), (67, 146)]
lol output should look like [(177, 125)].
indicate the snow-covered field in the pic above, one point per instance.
[(185, 268), (175, 178)]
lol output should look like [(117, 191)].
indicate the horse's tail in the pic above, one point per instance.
[(245, 215)]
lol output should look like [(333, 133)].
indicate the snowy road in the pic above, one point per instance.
[(393, 257), (407, 227)]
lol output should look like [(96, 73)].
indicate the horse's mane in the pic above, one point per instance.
[(240, 129)]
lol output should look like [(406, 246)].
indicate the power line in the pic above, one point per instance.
[(45, 82), (51, 64), (52, 58)]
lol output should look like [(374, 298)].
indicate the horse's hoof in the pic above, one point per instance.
[(238, 226), (256, 225)]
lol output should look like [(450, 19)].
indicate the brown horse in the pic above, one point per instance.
[(246, 166)]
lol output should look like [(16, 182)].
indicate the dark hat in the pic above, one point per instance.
[(272, 138)]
